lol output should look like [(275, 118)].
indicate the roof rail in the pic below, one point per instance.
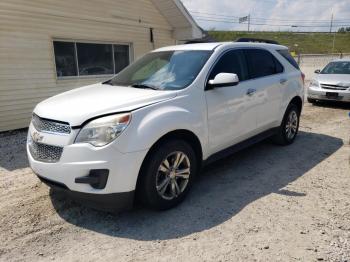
[(257, 40), (205, 39)]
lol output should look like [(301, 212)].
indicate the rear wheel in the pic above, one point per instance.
[(289, 128), (168, 175)]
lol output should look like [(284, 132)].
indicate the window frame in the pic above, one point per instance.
[(75, 41), (246, 62)]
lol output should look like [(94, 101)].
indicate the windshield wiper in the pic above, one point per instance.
[(145, 86)]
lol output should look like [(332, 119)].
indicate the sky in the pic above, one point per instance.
[(270, 15)]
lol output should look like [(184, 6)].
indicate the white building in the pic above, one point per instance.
[(48, 46)]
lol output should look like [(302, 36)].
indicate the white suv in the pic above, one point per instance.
[(147, 131)]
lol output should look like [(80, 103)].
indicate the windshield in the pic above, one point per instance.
[(337, 68), (170, 70)]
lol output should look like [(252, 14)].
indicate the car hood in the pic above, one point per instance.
[(78, 105), (334, 79)]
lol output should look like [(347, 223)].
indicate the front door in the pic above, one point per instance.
[(231, 110)]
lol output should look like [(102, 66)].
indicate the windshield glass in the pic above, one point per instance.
[(337, 68), (170, 70)]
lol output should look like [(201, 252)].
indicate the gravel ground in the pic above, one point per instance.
[(266, 203)]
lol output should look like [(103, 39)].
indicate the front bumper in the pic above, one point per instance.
[(318, 93), (77, 161), (106, 202)]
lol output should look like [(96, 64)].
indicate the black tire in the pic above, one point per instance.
[(311, 101), (151, 175), (283, 136)]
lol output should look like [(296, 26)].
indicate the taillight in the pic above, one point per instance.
[(303, 77)]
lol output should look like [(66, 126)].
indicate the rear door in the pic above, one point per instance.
[(266, 77)]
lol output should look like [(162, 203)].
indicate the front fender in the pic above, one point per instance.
[(149, 124)]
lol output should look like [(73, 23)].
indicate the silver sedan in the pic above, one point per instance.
[(332, 83)]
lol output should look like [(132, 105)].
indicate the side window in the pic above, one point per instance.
[(231, 62), (285, 53), (279, 66), (262, 63)]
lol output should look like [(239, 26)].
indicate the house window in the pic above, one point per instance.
[(90, 59), (95, 59), (65, 59), (121, 57)]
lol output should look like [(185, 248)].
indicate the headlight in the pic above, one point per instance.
[(315, 83), (104, 130)]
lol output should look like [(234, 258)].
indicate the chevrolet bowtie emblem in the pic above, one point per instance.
[(37, 137)]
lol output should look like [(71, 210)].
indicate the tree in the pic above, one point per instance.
[(344, 30)]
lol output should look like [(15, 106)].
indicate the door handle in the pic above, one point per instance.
[(283, 81), (251, 91)]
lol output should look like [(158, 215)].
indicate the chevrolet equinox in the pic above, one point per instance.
[(147, 131)]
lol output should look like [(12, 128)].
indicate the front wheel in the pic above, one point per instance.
[(168, 175), (289, 128)]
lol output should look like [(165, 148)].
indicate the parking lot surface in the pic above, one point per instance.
[(266, 203)]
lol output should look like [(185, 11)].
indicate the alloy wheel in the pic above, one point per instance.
[(173, 175), (292, 125)]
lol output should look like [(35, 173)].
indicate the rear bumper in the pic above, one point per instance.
[(321, 94), (107, 202)]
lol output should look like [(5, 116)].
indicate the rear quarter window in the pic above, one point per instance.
[(285, 53)]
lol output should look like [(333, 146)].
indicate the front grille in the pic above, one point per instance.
[(45, 153), (45, 125), (333, 87)]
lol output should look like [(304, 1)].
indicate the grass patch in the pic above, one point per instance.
[(307, 43)]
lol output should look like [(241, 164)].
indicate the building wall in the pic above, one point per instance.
[(27, 28)]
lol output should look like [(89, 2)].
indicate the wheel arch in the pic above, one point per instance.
[(298, 101), (181, 134)]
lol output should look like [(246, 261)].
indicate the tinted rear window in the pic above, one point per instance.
[(262, 63), (285, 53)]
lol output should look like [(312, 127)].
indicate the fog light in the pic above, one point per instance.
[(97, 178)]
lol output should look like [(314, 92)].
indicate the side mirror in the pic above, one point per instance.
[(222, 80), (317, 71)]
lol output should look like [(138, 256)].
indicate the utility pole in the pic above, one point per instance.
[(330, 29), (335, 32)]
